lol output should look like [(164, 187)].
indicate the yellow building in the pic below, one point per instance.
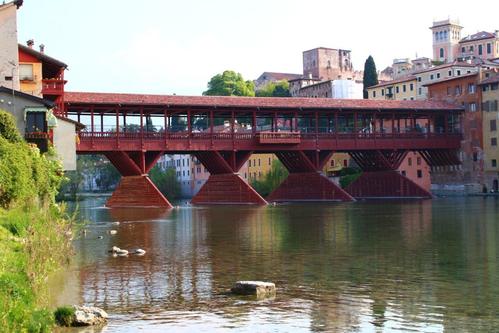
[(401, 89), (259, 165), (337, 162), (490, 108)]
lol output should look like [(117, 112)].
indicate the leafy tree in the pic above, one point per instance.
[(166, 181), (370, 75), (8, 129), (272, 179), (229, 83), (275, 89)]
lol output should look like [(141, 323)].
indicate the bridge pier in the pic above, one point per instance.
[(380, 178), (225, 185), (305, 182), (135, 188)]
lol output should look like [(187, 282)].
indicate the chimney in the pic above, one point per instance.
[(30, 43), (42, 48)]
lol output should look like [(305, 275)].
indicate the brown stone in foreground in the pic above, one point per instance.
[(257, 288)]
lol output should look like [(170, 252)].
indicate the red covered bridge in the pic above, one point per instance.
[(134, 130)]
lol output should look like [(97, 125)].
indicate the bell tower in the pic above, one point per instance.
[(446, 37)]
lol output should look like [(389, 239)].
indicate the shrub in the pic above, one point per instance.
[(64, 315)]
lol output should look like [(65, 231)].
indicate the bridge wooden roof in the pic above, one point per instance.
[(89, 98)]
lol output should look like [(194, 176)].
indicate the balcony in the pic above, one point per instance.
[(279, 137), (54, 87)]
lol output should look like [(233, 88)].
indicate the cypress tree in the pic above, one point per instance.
[(370, 75)]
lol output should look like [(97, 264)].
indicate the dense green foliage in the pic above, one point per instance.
[(63, 315), (94, 166), (34, 232), (348, 176), (274, 89), (370, 75), (166, 181), (272, 179), (229, 83)]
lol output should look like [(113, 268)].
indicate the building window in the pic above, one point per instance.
[(419, 78), (431, 77), (494, 86), (458, 72), (409, 161), (382, 92), (441, 52), (374, 93), (420, 173), (475, 157), (411, 87), (249, 163), (493, 141), (420, 92), (450, 73), (438, 75), (480, 49), (403, 172), (472, 48), (26, 72), (472, 107), (489, 48), (471, 88), (397, 90), (493, 126), (404, 88), (494, 163), (463, 49), (35, 122)]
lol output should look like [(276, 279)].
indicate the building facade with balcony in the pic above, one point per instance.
[(401, 89)]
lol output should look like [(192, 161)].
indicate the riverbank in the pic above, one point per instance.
[(35, 232), (34, 242)]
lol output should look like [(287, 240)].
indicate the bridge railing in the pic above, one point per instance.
[(262, 137)]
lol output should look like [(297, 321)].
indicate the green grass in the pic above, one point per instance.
[(33, 243), (64, 315)]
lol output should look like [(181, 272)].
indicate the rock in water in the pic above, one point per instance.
[(122, 252), (113, 232), (88, 315), (257, 288)]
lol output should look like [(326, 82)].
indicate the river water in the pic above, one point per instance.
[(378, 266)]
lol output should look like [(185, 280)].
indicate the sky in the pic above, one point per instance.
[(175, 47)]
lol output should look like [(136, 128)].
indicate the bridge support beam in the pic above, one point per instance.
[(136, 188), (385, 184), (305, 182), (225, 185), (380, 178)]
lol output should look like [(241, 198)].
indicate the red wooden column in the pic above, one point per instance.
[(305, 181), (136, 188), (225, 185)]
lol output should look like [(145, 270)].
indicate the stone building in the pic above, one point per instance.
[(446, 37), (267, 77), (401, 89), (490, 115), (462, 90), (328, 64), (482, 45), (9, 58), (347, 89)]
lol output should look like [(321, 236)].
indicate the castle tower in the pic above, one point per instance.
[(446, 37), (327, 64)]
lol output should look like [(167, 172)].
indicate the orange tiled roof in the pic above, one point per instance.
[(86, 98)]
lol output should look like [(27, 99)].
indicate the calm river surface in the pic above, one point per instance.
[(379, 266)]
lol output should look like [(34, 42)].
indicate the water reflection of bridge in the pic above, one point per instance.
[(133, 131), (346, 266)]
